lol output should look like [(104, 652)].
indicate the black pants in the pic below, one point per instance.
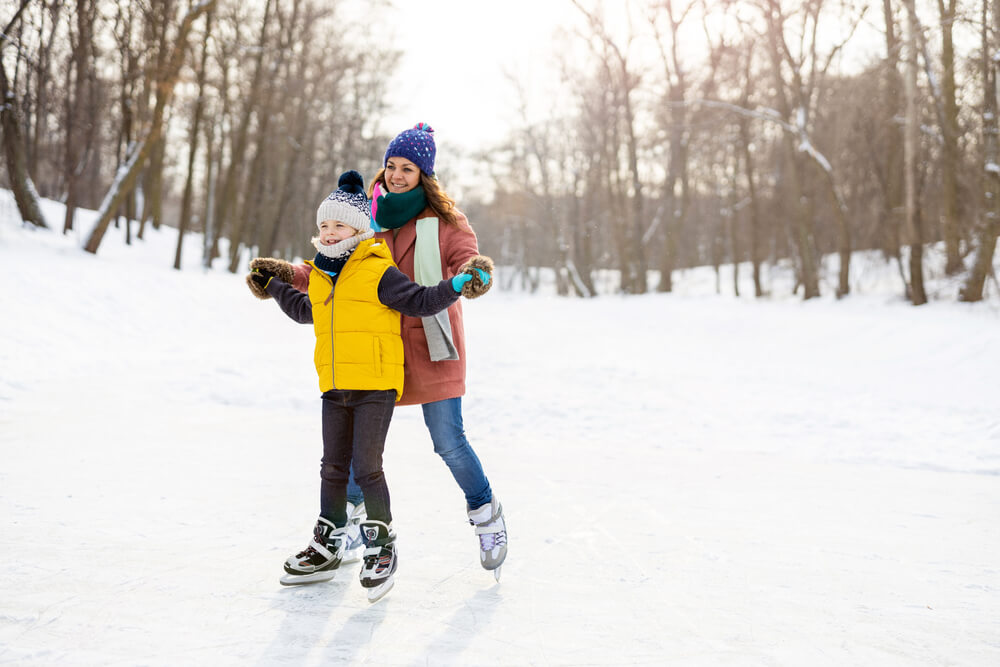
[(355, 423)]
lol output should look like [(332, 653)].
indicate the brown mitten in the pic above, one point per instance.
[(477, 286), (279, 268), (255, 288)]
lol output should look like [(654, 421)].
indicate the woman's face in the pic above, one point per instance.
[(401, 175), (331, 231)]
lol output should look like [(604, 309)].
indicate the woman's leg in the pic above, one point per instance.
[(444, 421), (354, 495)]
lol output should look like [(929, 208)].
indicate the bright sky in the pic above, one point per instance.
[(460, 55), (456, 54)]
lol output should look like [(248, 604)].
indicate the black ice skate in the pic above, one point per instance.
[(318, 561), (379, 559)]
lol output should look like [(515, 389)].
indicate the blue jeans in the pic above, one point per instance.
[(355, 423), (444, 421), (354, 495)]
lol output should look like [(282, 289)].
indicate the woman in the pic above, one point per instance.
[(430, 239)]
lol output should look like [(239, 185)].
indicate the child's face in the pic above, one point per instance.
[(331, 231), (401, 175)]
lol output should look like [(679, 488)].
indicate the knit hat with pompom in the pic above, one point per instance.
[(348, 203), (416, 145)]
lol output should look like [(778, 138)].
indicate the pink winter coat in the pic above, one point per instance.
[(424, 380)]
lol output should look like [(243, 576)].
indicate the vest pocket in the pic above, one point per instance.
[(377, 355)]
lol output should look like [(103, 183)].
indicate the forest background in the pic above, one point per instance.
[(667, 134)]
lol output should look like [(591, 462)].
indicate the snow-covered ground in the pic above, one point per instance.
[(688, 479)]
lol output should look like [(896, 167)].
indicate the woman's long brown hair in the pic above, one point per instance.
[(437, 198)]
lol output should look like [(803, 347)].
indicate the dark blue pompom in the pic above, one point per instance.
[(352, 182)]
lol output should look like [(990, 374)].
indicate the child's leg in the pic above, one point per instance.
[(372, 413), (338, 426)]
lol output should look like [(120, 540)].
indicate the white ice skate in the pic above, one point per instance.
[(492, 531), (354, 545), (379, 559), (318, 561)]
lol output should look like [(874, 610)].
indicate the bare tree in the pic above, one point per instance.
[(128, 173), (676, 189), (38, 134), (910, 147), (989, 225), (129, 49), (253, 196), (887, 155), (950, 158), (807, 69), (80, 107), (184, 221), (156, 26), (25, 195), (290, 155), (626, 81), (226, 203)]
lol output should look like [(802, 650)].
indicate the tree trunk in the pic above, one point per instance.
[(677, 178), (76, 107), (892, 200), (199, 107), (209, 238), (39, 129), (843, 231), (754, 205), (152, 191), (803, 232), (25, 195), (910, 147), (638, 252), (950, 153)]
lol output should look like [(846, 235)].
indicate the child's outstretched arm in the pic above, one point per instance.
[(400, 293), (294, 303)]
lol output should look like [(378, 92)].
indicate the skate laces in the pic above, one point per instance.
[(378, 556), (308, 552), (489, 541), (331, 543), (493, 532)]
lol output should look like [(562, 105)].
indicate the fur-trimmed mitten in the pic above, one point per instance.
[(279, 268), (477, 286)]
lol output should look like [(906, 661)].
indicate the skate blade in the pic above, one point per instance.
[(299, 579), (496, 574), (378, 592)]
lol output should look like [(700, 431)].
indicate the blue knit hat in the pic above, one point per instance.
[(416, 145)]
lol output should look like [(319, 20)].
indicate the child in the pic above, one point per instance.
[(355, 291)]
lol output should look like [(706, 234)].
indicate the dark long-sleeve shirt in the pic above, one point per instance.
[(395, 291)]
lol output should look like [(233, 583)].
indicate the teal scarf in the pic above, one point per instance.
[(395, 209)]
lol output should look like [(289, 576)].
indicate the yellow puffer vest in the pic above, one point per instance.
[(358, 345)]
